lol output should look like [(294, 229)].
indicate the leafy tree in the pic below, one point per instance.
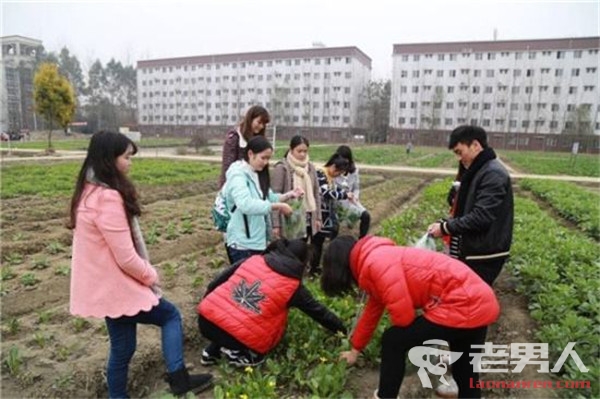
[(579, 121), (374, 115), (54, 98)]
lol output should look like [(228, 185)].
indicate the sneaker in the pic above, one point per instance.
[(209, 359), (241, 358)]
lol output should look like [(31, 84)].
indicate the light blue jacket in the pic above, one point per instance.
[(242, 190)]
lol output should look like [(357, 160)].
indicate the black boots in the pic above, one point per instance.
[(181, 382)]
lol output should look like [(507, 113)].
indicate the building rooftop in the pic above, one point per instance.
[(350, 51), (573, 43)]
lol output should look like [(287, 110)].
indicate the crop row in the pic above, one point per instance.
[(570, 201), (557, 269)]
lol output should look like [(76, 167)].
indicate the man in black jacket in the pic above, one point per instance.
[(481, 222)]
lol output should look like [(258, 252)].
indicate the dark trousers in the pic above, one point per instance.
[(123, 341), (365, 223), (397, 341), (317, 242), (218, 337), (488, 270), (235, 255)]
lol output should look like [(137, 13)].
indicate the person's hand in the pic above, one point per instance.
[(350, 356), (351, 196), (276, 232), (318, 225), (435, 230), (298, 192), (283, 208)]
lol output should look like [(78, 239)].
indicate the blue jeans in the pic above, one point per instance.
[(122, 333), (236, 255)]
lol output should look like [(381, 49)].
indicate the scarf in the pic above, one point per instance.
[(134, 225), (467, 178), (302, 179)]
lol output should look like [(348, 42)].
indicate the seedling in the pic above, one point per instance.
[(14, 361), (29, 280), (55, 248), (40, 264)]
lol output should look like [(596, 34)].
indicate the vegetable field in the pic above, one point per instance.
[(549, 291)]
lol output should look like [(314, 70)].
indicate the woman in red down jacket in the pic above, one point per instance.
[(457, 306), (245, 310)]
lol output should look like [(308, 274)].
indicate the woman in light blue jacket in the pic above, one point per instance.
[(250, 201)]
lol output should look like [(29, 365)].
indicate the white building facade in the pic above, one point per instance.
[(522, 86), (16, 82), (316, 89)]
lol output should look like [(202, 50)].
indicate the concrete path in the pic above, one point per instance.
[(152, 153)]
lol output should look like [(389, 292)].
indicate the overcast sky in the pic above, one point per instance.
[(135, 30)]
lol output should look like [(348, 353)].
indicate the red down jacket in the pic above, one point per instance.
[(252, 305), (402, 279)]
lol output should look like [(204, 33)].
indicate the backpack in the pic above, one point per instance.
[(221, 214)]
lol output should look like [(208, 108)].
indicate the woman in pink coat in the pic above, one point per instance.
[(457, 306), (111, 277)]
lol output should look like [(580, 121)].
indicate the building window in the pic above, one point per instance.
[(489, 73), (403, 74), (514, 107), (415, 74), (572, 90), (556, 90), (448, 121), (575, 72), (476, 89), (477, 73), (402, 104), (491, 56), (516, 73), (450, 89), (525, 124), (416, 57), (401, 120), (488, 89), (478, 56), (532, 55), (528, 89), (588, 88), (529, 73)]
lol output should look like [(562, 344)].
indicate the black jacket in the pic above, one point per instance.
[(283, 262), (485, 225)]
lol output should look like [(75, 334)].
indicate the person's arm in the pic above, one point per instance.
[(489, 197), (113, 225), (367, 323), (356, 185), (229, 155), (222, 277), (278, 179), (303, 300)]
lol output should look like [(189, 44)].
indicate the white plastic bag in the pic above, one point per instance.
[(426, 242)]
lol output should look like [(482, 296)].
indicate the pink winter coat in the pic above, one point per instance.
[(402, 279), (108, 277)]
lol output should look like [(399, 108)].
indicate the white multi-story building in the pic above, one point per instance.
[(316, 89), (513, 86), (16, 82)]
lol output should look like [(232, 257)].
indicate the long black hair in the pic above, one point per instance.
[(341, 164), (346, 152), (336, 278), (104, 149), (258, 144)]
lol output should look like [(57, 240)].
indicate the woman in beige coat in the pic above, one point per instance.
[(296, 171)]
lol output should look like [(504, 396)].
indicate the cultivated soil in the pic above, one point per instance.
[(63, 356)]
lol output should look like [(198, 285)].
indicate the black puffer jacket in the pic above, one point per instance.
[(484, 228)]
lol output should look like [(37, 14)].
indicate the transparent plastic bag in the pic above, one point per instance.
[(426, 242), (294, 226)]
